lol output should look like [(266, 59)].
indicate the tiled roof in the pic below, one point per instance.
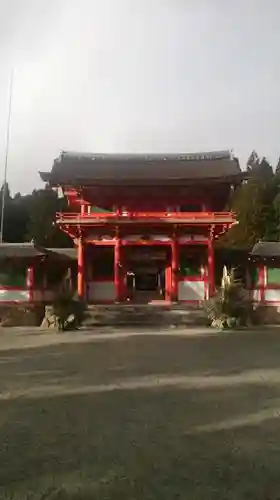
[(266, 249), (85, 167), (62, 253), (29, 250), (23, 250)]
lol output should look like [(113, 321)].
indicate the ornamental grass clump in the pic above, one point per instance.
[(231, 306), (69, 311)]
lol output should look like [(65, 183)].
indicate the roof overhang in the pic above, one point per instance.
[(55, 180), (85, 169), (266, 250), (31, 251)]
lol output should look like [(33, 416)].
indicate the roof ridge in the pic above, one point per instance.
[(202, 155)]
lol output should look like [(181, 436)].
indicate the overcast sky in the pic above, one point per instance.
[(137, 76)]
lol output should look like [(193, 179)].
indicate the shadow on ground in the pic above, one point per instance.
[(158, 417)]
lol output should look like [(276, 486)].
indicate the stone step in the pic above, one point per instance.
[(114, 315)]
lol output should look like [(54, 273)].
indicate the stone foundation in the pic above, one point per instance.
[(267, 315), (20, 315)]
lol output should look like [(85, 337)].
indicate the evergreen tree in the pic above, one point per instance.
[(277, 170), (253, 161), (15, 218), (252, 203), (258, 167), (272, 230), (41, 228)]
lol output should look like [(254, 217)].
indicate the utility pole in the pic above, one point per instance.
[(4, 187)]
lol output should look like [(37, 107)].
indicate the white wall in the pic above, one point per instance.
[(272, 295), (191, 290), (101, 291), (14, 295), (269, 296)]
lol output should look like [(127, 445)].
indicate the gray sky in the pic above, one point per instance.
[(138, 76)]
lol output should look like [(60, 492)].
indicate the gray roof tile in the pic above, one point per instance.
[(29, 250), (21, 250), (78, 167), (266, 249)]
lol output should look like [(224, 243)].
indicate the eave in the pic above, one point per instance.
[(56, 181)]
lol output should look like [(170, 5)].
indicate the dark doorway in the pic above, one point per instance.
[(146, 282), (145, 278)]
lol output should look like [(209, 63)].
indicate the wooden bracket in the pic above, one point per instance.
[(212, 231)]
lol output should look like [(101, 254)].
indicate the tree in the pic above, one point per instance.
[(41, 228), (258, 167), (252, 204), (253, 161), (272, 229), (32, 218), (264, 169), (15, 217), (277, 170)]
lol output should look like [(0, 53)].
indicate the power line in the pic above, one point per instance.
[(4, 187)]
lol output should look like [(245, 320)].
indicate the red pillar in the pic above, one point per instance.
[(118, 270), (30, 282), (261, 280), (81, 270), (211, 268), (174, 269), (168, 285)]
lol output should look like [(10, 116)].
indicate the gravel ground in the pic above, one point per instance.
[(139, 415)]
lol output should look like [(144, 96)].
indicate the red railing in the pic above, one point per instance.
[(138, 216)]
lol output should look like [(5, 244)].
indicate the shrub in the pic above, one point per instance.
[(69, 311), (231, 306)]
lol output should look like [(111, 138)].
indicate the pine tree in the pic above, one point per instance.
[(277, 170), (253, 206), (42, 229), (253, 161), (258, 167)]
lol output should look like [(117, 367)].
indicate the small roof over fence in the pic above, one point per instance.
[(62, 253), (266, 249), (30, 250)]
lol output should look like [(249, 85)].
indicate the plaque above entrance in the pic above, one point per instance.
[(148, 255)]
